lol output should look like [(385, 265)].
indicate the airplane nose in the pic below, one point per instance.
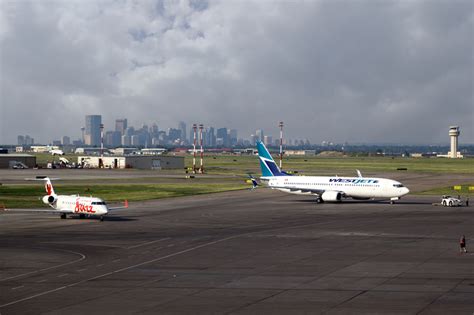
[(405, 190)]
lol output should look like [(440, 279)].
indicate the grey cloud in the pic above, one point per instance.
[(360, 71)]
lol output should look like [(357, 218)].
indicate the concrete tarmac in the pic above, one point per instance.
[(242, 252)]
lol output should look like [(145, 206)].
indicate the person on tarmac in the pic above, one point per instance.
[(462, 244)]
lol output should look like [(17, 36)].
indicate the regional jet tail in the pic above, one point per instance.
[(328, 188), (74, 204)]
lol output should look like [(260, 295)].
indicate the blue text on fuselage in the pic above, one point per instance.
[(353, 180)]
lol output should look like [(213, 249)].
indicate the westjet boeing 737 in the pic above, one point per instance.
[(328, 188)]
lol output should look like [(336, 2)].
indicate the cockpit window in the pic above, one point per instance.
[(398, 185), (100, 203)]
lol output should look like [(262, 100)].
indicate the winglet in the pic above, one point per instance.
[(359, 174)]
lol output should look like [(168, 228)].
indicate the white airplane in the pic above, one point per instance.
[(56, 152), (328, 188), (73, 204)]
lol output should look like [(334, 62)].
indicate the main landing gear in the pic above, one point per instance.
[(392, 200), (63, 216), (101, 218)]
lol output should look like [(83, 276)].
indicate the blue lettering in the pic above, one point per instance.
[(353, 180)]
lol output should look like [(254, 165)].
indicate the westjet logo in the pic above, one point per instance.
[(353, 180)]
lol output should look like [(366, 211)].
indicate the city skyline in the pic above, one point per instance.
[(144, 135), (344, 71)]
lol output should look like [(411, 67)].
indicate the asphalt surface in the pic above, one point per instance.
[(242, 252)]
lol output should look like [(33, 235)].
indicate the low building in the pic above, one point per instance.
[(17, 161), (43, 148), (156, 162), (300, 152), (123, 151)]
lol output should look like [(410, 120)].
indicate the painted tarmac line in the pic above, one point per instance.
[(147, 243), (148, 262), (49, 268), (120, 270), (16, 288)]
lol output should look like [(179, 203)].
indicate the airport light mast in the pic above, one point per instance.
[(194, 149), (281, 143), (201, 169), (101, 160)]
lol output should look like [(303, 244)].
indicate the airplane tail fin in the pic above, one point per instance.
[(267, 164), (48, 186)]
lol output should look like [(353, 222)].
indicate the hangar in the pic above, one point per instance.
[(132, 161), (17, 161)]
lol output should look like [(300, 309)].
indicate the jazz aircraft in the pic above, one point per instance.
[(328, 188), (74, 204)]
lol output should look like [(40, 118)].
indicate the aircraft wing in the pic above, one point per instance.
[(301, 190), (36, 210), (125, 206)]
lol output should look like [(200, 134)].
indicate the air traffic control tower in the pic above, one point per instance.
[(454, 134)]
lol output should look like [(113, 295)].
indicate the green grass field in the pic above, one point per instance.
[(330, 166), (236, 168), (29, 196), (312, 165), (450, 191)]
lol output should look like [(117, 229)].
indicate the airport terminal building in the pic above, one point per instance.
[(155, 162)]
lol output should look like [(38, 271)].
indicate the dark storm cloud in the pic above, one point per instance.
[(358, 71)]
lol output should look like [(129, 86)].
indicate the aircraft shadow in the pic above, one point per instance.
[(403, 202), (111, 218)]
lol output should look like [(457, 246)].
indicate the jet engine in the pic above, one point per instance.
[(50, 199), (331, 196)]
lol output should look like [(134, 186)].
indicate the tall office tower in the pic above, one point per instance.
[(121, 125), (174, 134), (182, 127), (126, 140), (113, 139), (268, 140), (259, 135), (135, 140), (154, 130), (233, 137), (92, 131), (21, 140), (253, 140), (66, 140), (222, 137), (212, 137), (29, 140)]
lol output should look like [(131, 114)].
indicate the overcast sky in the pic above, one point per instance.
[(353, 70)]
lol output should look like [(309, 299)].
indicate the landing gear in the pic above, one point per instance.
[(392, 202), (63, 216), (319, 200), (82, 216), (101, 218)]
